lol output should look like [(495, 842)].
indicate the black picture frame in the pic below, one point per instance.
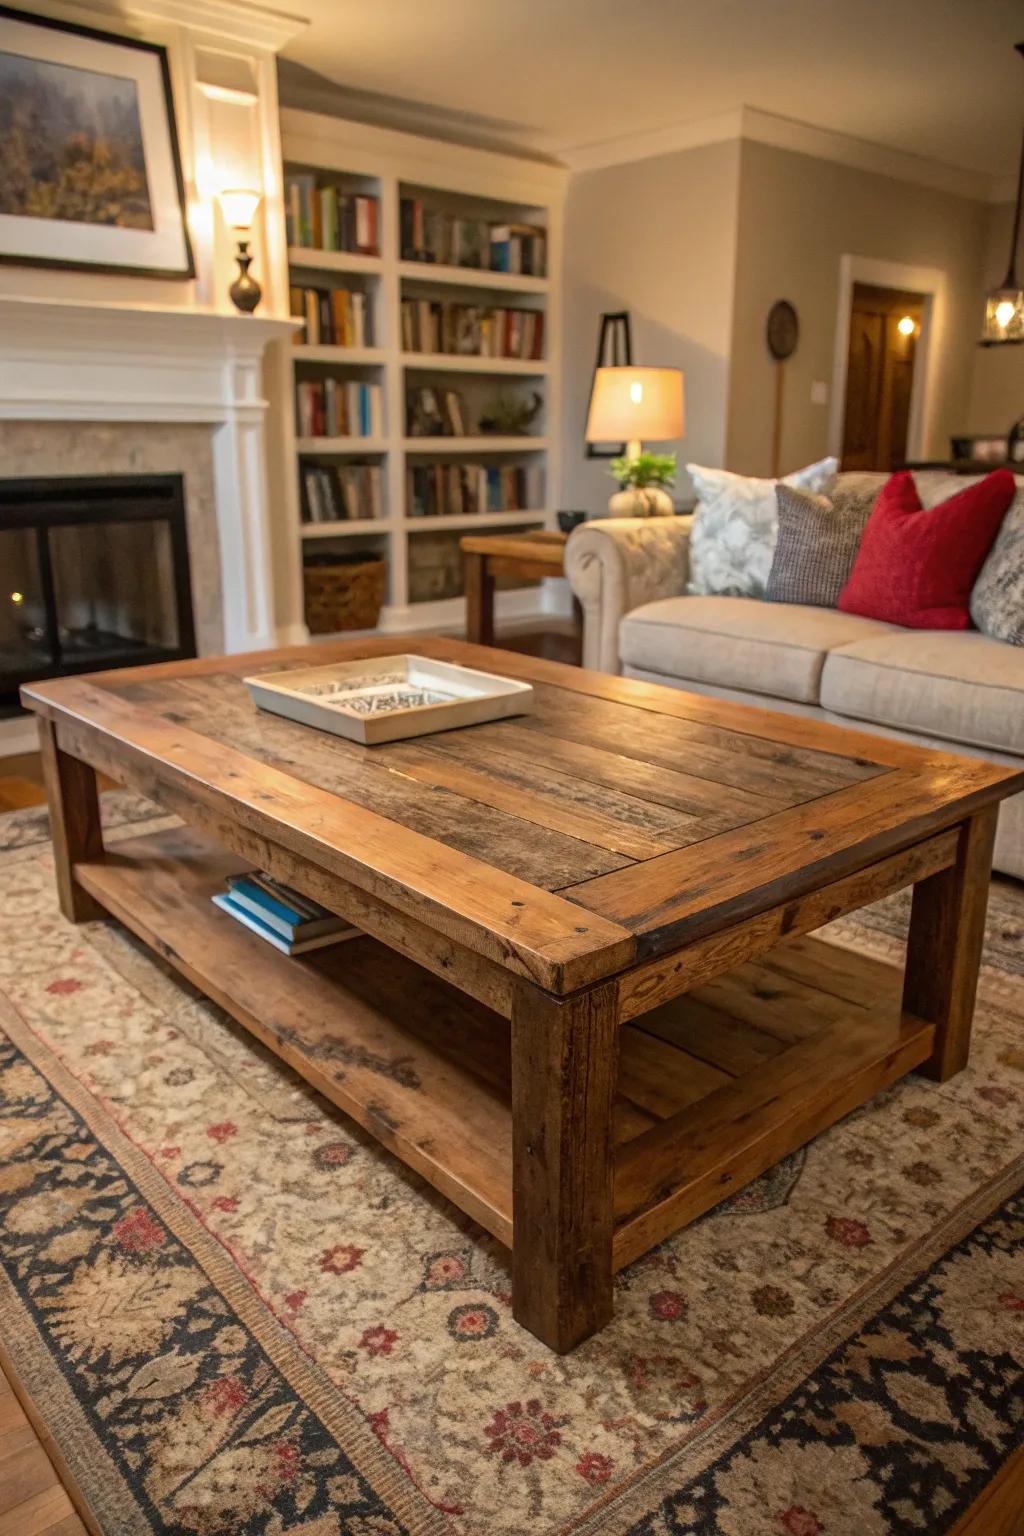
[(172, 170), (614, 350)]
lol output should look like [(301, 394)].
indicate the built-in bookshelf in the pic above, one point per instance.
[(425, 278)]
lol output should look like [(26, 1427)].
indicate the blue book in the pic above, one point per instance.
[(227, 904), (292, 918), (274, 913)]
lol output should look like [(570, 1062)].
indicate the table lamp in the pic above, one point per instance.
[(632, 404)]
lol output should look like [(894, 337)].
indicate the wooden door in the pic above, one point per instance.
[(880, 376)]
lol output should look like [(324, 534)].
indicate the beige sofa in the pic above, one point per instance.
[(961, 691)]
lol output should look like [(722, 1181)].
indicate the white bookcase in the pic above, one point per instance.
[(477, 184)]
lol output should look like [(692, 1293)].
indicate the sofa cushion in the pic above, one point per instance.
[(915, 566), (954, 686), (818, 541), (735, 524), (777, 649), (997, 598)]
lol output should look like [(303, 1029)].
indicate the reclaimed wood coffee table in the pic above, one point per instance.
[(586, 1008)]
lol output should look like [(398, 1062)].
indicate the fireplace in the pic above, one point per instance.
[(94, 573)]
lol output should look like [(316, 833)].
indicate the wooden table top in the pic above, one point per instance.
[(544, 546), (620, 820)]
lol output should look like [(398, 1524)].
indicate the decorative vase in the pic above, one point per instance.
[(641, 501)]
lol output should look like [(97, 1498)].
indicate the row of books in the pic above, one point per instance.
[(337, 317), (338, 408), (341, 493), (454, 490), (431, 325), (321, 218), (432, 235), (284, 918), (435, 413)]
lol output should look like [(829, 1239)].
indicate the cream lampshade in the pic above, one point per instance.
[(636, 404), (632, 404)]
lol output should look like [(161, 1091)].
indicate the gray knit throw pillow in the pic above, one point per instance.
[(818, 541)]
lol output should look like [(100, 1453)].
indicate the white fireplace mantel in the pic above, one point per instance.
[(61, 360)]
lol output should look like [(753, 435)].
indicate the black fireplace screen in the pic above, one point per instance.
[(94, 573)]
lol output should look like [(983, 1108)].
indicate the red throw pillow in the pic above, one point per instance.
[(917, 568)]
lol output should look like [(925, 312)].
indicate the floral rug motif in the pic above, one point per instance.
[(240, 1317)]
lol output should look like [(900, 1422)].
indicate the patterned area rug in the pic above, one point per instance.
[(237, 1316)]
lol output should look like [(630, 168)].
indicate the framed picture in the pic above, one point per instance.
[(90, 175), (614, 350)]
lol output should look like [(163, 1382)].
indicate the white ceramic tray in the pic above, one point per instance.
[(389, 698)]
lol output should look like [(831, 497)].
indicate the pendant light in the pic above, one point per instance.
[(1004, 307)]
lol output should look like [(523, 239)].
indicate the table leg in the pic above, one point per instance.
[(947, 931), (479, 600), (564, 1071), (75, 828)]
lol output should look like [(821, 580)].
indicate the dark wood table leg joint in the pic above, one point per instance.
[(947, 934), (74, 806), (564, 1073)]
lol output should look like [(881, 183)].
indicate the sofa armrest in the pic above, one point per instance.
[(614, 564)]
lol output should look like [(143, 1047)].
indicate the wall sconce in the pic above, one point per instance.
[(238, 206)]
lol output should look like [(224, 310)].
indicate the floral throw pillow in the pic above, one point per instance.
[(735, 527), (997, 599)]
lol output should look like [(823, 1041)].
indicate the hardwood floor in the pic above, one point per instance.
[(33, 1500)]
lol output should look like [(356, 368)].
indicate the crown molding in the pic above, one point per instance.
[(801, 138), (720, 127), (230, 20)]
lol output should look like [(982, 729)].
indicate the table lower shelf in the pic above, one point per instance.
[(714, 1087)]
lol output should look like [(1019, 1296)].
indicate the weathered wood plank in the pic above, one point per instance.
[(709, 1033), (383, 779), (686, 895), (340, 1016), (783, 774), (75, 828), (481, 908), (713, 807), (686, 1165), (564, 1060), (947, 933), (649, 984)]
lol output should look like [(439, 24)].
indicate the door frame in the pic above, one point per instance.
[(930, 283)]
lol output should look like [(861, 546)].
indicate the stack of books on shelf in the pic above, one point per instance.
[(520, 249), (338, 408), (471, 331), (435, 413), (334, 317), (447, 239), (319, 217), (341, 493), (292, 923), (455, 490)]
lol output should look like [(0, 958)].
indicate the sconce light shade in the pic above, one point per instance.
[(636, 404), (238, 205)]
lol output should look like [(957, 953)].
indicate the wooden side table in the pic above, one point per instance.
[(540, 553)]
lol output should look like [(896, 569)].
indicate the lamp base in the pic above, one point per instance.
[(641, 501), (245, 291)]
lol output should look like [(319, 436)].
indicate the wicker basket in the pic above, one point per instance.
[(343, 591)]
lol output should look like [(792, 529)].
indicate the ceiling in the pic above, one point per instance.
[(935, 78)]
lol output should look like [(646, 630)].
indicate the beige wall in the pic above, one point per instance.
[(656, 237), (997, 373), (797, 217)]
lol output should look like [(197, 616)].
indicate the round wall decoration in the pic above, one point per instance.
[(782, 330)]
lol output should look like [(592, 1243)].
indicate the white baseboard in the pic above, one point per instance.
[(18, 735)]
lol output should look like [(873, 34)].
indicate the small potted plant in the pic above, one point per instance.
[(642, 480)]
